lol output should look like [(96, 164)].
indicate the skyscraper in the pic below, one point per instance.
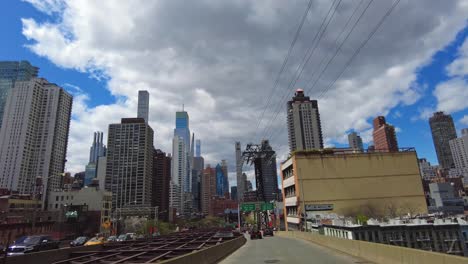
[(443, 130), (355, 141), (208, 184), (129, 168), (34, 136), (178, 173), (304, 128), (161, 179), (270, 176), (197, 174), (97, 150), (143, 105), (459, 149), (384, 135), (240, 181), (182, 130), (234, 193), (224, 167), (198, 148), (220, 180), (10, 72)]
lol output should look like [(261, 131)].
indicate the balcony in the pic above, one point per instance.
[(288, 182), (290, 201), (294, 220)]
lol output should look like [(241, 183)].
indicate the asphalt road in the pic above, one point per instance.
[(286, 251)]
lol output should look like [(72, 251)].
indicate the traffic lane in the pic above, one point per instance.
[(287, 251)]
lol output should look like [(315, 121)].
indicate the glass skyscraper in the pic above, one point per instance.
[(182, 130), (220, 181), (11, 71)]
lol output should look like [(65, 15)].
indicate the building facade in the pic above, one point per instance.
[(384, 135), (240, 181), (304, 127), (208, 187), (269, 172), (143, 105), (351, 183), (224, 167), (459, 149), (129, 165), (197, 173), (34, 137), (443, 130), (355, 141), (161, 182), (10, 72), (178, 173), (220, 181), (427, 171)]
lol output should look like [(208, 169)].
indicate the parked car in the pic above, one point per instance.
[(123, 237), (112, 239), (268, 232), (79, 241), (32, 244), (255, 234), (95, 241)]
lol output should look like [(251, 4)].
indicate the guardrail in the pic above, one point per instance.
[(375, 252), (48, 256)]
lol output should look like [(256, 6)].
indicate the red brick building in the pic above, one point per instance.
[(384, 135), (208, 189), (160, 186), (220, 204)]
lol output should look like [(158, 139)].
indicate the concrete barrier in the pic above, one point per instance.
[(49, 256), (375, 252), (209, 255)]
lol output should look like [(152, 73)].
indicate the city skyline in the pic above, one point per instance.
[(99, 102)]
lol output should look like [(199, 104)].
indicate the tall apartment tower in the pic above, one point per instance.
[(161, 180), (178, 173), (384, 135), (304, 128), (143, 105), (10, 72), (443, 130), (197, 174), (269, 172), (182, 130), (198, 148), (129, 166), (240, 181), (224, 167), (459, 149), (208, 184), (355, 141), (34, 137)]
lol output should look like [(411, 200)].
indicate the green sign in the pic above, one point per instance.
[(71, 214), (248, 207), (267, 206)]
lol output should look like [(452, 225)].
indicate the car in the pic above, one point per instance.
[(112, 239), (32, 244), (268, 232), (255, 234), (79, 241), (95, 241)]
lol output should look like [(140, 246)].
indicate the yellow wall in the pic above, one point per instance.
[(356, 183)]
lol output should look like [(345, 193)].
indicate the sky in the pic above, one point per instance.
[(225, 62)]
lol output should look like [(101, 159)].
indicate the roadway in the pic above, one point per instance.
[(286, 251)]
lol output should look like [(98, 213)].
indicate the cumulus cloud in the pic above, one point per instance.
[(464, 120), (220, 59)]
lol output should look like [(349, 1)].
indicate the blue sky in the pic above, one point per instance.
[(186, 71)]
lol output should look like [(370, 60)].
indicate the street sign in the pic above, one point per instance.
[(248, 207), (267, 206), (318, 207)]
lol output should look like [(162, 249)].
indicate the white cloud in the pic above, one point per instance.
[(452, 95), (220, 59), (464, 120), (460, 66)]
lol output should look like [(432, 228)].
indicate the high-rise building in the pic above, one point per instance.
[(34, 136), (443, 130), (355, 141), (234, 193), (129, 166), (161, 179), (182, 130), (208, 187), (224, 167), (240, 181), (198, 148), (197, 174), (426, 170), (384, 135), (249, 185), (459, 149), (178, 173), (98, 149), (220, 188), (143, 105), (101, 171), (304, 128), (10, 72), (269, 173)]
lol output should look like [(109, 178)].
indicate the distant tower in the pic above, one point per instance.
[(304, 128), (198, 148), (384, 135), (443, 130), (98, 149), (143, 105), (240, 182), (355, 141)]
